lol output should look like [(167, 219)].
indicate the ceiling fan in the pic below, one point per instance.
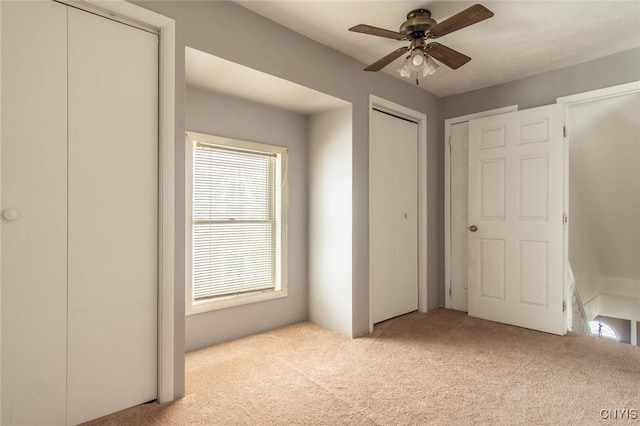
[(417, 29)]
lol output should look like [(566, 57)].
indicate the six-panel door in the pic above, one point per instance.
[(515, 201)]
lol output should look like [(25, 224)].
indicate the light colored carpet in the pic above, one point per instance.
[(441, 367)]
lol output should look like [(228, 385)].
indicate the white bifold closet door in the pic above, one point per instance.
[(34, 191), (80, 214), (393, 192), (459, 168), (113, 216)]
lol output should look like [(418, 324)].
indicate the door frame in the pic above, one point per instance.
[(140, 17), (447, 188), (421, 120)]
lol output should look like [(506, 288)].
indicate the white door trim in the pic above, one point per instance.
[(0, 220), (165, 27), (421, 119), (447, 189), (607, 92)]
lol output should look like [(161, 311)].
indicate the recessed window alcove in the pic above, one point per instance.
[(229, 100)]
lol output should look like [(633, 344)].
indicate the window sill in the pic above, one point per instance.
[(236, 300)]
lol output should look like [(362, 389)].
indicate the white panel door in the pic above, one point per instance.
[(516, 203), (34, 206), (393, 189), (113, 216), (459, 168)]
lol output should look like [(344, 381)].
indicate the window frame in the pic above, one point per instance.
[(281, 213)]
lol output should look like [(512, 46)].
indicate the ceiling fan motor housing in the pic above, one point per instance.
[(417, 24)]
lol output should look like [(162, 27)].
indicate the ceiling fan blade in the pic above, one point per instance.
[(383, 62), (451, 58), (469, 16), (380, 32)]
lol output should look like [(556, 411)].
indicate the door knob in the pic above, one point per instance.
[(10, 214), (406, 215), (473, 228)]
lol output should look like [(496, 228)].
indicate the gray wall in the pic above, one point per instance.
[(543, 89), (582, 257), (604, 159), (220, 28), (226, 116)]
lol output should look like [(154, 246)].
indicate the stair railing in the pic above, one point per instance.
[(584, 329)]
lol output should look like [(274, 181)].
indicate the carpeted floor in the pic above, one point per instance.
[(441, 367)]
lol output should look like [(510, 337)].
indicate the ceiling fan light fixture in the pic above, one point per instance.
[(404, 70), (416, 60), (430, 66)]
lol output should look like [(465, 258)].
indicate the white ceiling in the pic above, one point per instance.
[(246, 83), (524, 38)]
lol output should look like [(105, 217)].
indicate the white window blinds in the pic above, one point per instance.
[(234, 221)]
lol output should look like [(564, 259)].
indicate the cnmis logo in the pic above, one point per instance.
[(619, 414)]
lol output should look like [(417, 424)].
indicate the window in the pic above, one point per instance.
[(601, 329), (237, 219)]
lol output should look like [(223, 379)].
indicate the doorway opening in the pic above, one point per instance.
[(603, 199)]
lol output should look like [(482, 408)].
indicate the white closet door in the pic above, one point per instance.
[(113, 223), (459, 214), (393, 189), (34, 186)]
